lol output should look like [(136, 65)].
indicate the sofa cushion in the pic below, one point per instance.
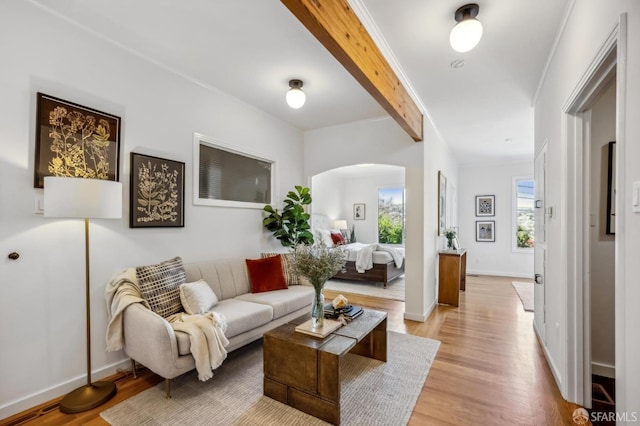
[(160, 285), (283, 302), (227, 277), (287, 267), (266, 274), (197, 297), (241, 316)]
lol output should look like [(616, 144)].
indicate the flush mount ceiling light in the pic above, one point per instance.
[(468, 30), (295, 95)]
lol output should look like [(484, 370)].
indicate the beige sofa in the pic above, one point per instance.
[(151, 341)]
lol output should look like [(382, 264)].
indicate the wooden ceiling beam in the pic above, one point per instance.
[(338, 28)]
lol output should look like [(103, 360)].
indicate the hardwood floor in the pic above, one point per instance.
[(489, 370)]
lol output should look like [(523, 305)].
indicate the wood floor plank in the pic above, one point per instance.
[(490, 368)]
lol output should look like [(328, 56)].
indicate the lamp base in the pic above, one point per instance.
[(87, 397)]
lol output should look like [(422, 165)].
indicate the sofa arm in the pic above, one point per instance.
[(150, 340)]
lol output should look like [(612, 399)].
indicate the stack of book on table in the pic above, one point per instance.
[(349, 311)]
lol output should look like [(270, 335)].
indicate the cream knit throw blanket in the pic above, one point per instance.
[(206, 332)]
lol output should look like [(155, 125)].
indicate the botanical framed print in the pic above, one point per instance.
[(485, 230), (156, 193), (442, 203), (485, 205), (359, 211), (75, 141)]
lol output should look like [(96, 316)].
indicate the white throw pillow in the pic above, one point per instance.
[(325, 236), (197, 297)]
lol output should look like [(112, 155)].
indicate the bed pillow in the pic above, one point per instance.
[(266, 274), (324, 235), (160, 285), (287, 267), (338, 239), (197, 297)]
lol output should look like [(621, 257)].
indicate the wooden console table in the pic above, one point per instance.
[(452, 275)]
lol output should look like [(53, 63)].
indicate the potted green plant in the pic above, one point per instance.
[(291, 225)]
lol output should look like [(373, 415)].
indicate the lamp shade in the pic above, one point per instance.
[(82, 198), (340, 224), (465, 35), (295, 96)]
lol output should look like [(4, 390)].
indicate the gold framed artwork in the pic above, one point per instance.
[(442, 203), (75, 141), (156, 192)]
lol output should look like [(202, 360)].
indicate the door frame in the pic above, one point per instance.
[(608, 63)]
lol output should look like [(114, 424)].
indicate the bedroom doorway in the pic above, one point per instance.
[(357, 195)]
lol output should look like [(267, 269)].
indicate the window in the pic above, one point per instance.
[(391, 215), (523, 213), (225, 176)]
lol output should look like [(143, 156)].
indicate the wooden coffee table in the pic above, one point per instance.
[(304, 371)]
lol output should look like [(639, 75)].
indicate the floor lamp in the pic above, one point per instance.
[(86, 199)]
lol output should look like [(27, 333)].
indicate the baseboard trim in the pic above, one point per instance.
[(420, 317), (604, 370), (500, 274), (55, 392)]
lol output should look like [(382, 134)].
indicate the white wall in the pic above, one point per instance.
[(327, 194), (42, 302), (382, 141), (602, 246), (365, 190), (588, 27), (334, 195), (492, 258)]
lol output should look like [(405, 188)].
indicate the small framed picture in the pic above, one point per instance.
[(156, 193), (485, 205), (359, 211), (485, 230)]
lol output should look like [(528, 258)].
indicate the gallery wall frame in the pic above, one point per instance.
[(75, 141), (359, 211), (485, 230), (156, 192), (611, 189), (442, 203), (485, 205)]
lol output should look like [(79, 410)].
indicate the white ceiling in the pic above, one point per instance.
[(252, 48)]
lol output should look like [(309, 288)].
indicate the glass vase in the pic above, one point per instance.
[(317, 309), (449, 243)]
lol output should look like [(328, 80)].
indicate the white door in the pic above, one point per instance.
[(540, 248)]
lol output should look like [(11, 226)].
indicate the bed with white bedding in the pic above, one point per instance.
[(365, 262), (385, 263)]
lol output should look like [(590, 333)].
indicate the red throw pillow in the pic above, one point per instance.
[(266, 274), (338, 239)]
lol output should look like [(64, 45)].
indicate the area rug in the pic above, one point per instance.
[(373, 392), (525, 293), (394, 290)]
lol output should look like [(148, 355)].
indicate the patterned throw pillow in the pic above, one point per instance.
[(160, 285), (287, 268)]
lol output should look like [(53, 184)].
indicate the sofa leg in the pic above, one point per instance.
[(133, 368), (167, 388)]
